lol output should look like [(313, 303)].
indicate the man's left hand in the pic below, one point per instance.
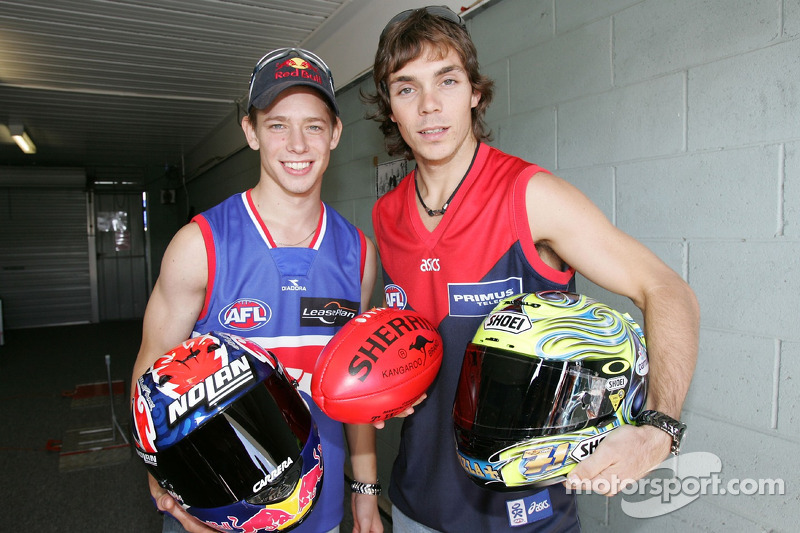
[(628, 454)]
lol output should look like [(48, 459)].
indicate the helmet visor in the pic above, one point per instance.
[(505, 395), (251, 450)]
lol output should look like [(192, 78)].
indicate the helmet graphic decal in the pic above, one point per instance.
[(196, 359), (280, 516), (144, 431)]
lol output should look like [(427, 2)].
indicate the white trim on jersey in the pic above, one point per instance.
[(254, 219), (269, 343), (323, 227)]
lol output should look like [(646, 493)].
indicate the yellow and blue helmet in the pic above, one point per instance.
[(546, 377)]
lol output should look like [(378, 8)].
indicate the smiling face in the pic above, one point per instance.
[(294, 136), (432, 101)]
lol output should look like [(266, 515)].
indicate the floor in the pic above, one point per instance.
[(52, 481)]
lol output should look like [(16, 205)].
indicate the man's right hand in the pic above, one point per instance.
[(380, 424)]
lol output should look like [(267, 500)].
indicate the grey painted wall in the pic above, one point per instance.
[(681, 120)]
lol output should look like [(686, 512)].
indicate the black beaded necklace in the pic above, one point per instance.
[(440, 212), (437, 212)]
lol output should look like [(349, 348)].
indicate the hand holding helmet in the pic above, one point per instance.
[(546, 377)]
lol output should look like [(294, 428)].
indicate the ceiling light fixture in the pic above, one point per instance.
[(22, 138)]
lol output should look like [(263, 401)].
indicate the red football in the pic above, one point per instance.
[(376, 366)]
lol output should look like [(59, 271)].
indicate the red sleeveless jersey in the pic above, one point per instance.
[(481, 252)]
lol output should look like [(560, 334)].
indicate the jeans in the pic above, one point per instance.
[(403, 524), (171, 525)]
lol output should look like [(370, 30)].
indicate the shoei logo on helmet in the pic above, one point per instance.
[(586, 447), (509, 322), (213, 389), (616, 383), (245, 314)]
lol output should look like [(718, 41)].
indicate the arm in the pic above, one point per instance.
[(172, 310), (361, 437), (177, 298), (363, 458), (577, 231), (370, 273)]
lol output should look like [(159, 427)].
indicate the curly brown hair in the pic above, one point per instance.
[(403, 42)]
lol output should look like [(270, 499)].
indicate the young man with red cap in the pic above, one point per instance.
[(495, 225), (279, 247)]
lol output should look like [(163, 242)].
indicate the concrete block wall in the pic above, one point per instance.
[(681, 120)]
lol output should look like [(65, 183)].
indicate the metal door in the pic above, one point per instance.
[(122, 288), (44, 257)]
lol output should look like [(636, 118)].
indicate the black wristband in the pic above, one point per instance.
[(674, 428)]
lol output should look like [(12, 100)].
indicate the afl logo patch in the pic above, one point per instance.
[(395, 296), (245, 315)]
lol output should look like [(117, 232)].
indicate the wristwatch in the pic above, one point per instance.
[(675, 428), (371, 489)]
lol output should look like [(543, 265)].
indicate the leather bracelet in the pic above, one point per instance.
[(370, 489)]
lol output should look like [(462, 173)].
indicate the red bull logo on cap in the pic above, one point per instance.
[(298, 68)]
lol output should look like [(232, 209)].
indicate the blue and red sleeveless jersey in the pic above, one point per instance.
[(481, 251), (289, 300)]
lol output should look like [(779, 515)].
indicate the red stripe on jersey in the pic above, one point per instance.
[(211, 260)]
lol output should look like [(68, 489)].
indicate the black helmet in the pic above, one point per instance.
[(221, 427), (543, 381)]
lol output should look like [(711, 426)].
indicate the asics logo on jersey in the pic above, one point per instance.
[(430, 265)]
